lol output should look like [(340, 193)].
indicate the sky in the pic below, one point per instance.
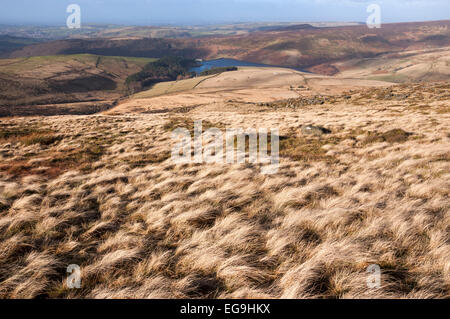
[(200, 12)]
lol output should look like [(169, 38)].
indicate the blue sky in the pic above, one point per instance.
[(194, 12)]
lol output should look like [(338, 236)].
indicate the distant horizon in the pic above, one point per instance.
[(91, 24), (217, 12)]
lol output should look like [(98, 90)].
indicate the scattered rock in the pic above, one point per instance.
[(402, 96), (302, 101), (314, 130)]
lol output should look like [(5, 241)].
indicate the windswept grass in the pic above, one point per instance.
[(391, 136), (107, 197)]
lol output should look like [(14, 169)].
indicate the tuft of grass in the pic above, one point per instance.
[(7, 134), (307, 149), (58, 162), (443, 109), (28, 136), (40, 138), (175, 122), (146, 159), (392, 136)]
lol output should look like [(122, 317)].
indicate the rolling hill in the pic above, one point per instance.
[(296, 47)]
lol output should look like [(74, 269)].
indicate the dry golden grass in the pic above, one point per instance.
[(172, 87), (106, 196)]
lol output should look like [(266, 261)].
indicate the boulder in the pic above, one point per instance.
[(314, 130)]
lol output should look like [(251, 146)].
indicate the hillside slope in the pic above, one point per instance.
[(102, 192), (31, 84), (407, 66)]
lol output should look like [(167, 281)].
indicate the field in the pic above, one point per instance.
[(105, 195)]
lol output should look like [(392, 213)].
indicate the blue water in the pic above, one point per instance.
[(211, 64)]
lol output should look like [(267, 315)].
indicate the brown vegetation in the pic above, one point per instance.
[(66, 84), (105, 195)]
